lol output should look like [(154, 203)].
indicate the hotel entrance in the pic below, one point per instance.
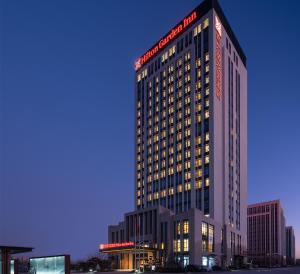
[(129, 256)]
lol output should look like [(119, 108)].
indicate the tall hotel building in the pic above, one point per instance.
[(190, 149), (266, 234)]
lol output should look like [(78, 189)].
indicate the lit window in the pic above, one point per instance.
[(206, 114), (187, 176), (199, 75), (207, 80), (179, 157), (206, 182), (207, 136), (185, 227), (206, 57), (178, 228), (211, 238), (207, 68), (198, 184), (197, 29), (179, 188), (206, 23), (198, 107), (187, 164), (198, 173), (204, 232), (206, 159), (178, 246), (198, 163), (187, 186), (206, 148), (188, 154), (185, 245)]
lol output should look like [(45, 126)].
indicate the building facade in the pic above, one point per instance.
[(190, 149), (266, 234), (290, 246)]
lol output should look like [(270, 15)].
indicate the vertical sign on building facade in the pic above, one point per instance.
[(218, 27)]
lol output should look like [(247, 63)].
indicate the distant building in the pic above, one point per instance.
[(190, 188), (266, 234), (290, 245)]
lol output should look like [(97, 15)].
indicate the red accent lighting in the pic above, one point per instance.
[(218, 58), (116, 245)]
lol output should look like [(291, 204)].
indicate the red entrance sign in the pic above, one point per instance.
[(116, 245), (166, 40)]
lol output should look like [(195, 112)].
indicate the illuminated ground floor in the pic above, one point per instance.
[(132, 256), (157, 237)]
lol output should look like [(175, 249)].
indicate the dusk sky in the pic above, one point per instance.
[(67, 112)]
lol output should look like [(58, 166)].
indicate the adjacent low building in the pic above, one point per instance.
[(290, 246), (266, 234), (156, 235)]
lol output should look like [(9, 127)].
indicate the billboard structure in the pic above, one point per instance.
[(59, 264)]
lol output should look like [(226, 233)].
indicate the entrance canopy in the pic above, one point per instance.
[(14, 249)]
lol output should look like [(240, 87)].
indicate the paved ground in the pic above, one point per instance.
[(285, 270)]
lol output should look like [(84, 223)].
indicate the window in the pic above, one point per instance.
[(187, 186), (207, 68), (207, 80), (206, 159), (198, 184), (204, 232), (206, 148), (185, 245), (210, 238), (206, 114), (179, 188), (185, 227), (178, 249), (206, 57), (197, 30), (206, 23), (178, 228)]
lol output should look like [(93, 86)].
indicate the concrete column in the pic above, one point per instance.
[(5, 257)]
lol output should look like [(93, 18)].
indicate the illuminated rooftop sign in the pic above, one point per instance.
[(116, 245), (218, 27), (172, 34)]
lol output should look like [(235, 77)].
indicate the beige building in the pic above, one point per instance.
[(266, 234)]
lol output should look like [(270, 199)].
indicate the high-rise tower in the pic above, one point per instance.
[(191, 143)]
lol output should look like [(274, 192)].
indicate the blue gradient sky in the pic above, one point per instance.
[(67, 105)]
